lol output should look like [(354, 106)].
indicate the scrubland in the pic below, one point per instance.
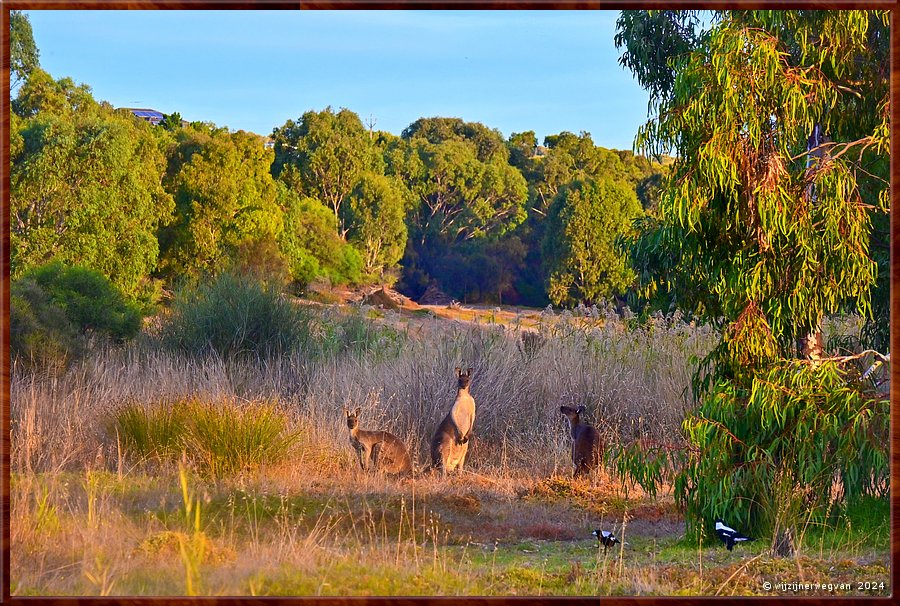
[(157, 470)]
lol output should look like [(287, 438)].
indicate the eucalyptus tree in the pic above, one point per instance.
[(24, 56), (773, 215), (323, 155), (85, 184), (225, 199), (374, 215), (464, 194), (780, 123), (583, 263), (310, 242)]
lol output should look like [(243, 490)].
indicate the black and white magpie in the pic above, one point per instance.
[(729, 535), (606, 538)]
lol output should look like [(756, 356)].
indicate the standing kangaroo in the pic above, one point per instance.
[(587, 450), (377, 450), (451, 440)]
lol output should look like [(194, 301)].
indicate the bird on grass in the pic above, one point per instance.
[(606, 538), (729, 535)]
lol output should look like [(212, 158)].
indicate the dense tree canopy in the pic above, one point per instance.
[(85, 184), (323, 155), (582, 260), (311, 244), (448, 202), (225, 197), (374, 216)]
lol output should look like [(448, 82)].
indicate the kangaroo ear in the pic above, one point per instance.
[(346, 411), (580, 410), (458, 371), (469, 372), (356, 412)]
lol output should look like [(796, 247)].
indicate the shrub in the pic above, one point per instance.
[(263, 261), (769, 455), (90, 301), (53, 307), (40, 334), (220, 438), (234, 315)]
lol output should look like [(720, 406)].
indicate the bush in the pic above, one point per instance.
[(40, 334), (90, 301), (53, 308), (768, 456), (219, 438), (234, 315)]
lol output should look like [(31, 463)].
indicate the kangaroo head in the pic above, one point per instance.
[(352, 418), (573, 414), (463, 378)]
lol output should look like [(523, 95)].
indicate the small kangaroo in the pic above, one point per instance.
[(587, 450), (377, 450), (451, 440)]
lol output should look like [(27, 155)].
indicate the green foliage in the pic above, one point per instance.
[(654, 42), (464, 195), (23, 52), (262, 260), (323, 155), (171, 121), (765, 227), (564, 159), (749, 215), (488, 143), (521, 151), (768, 455), (374, 216), (311, 245), (459, 196), (89, 300), (220, 438), (53, 307), (84, 185), (40, 334), (232, 316), (582, 261), (645, 464), (225, 198), (571, 158)]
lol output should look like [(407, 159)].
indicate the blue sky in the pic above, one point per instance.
[(545, 71)]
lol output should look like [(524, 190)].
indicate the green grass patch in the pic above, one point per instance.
[(220, 438), (862, 525), (242, 508)]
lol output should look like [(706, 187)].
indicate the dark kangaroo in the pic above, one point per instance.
[(377, 450), (451, 440), (587, 450)]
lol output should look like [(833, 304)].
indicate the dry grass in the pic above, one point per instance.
[(632, 381), (293, 530), (89, 519)]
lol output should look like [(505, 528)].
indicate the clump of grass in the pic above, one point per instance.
[(233, 315), (148, 433), (227, 439), (221, 438)]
